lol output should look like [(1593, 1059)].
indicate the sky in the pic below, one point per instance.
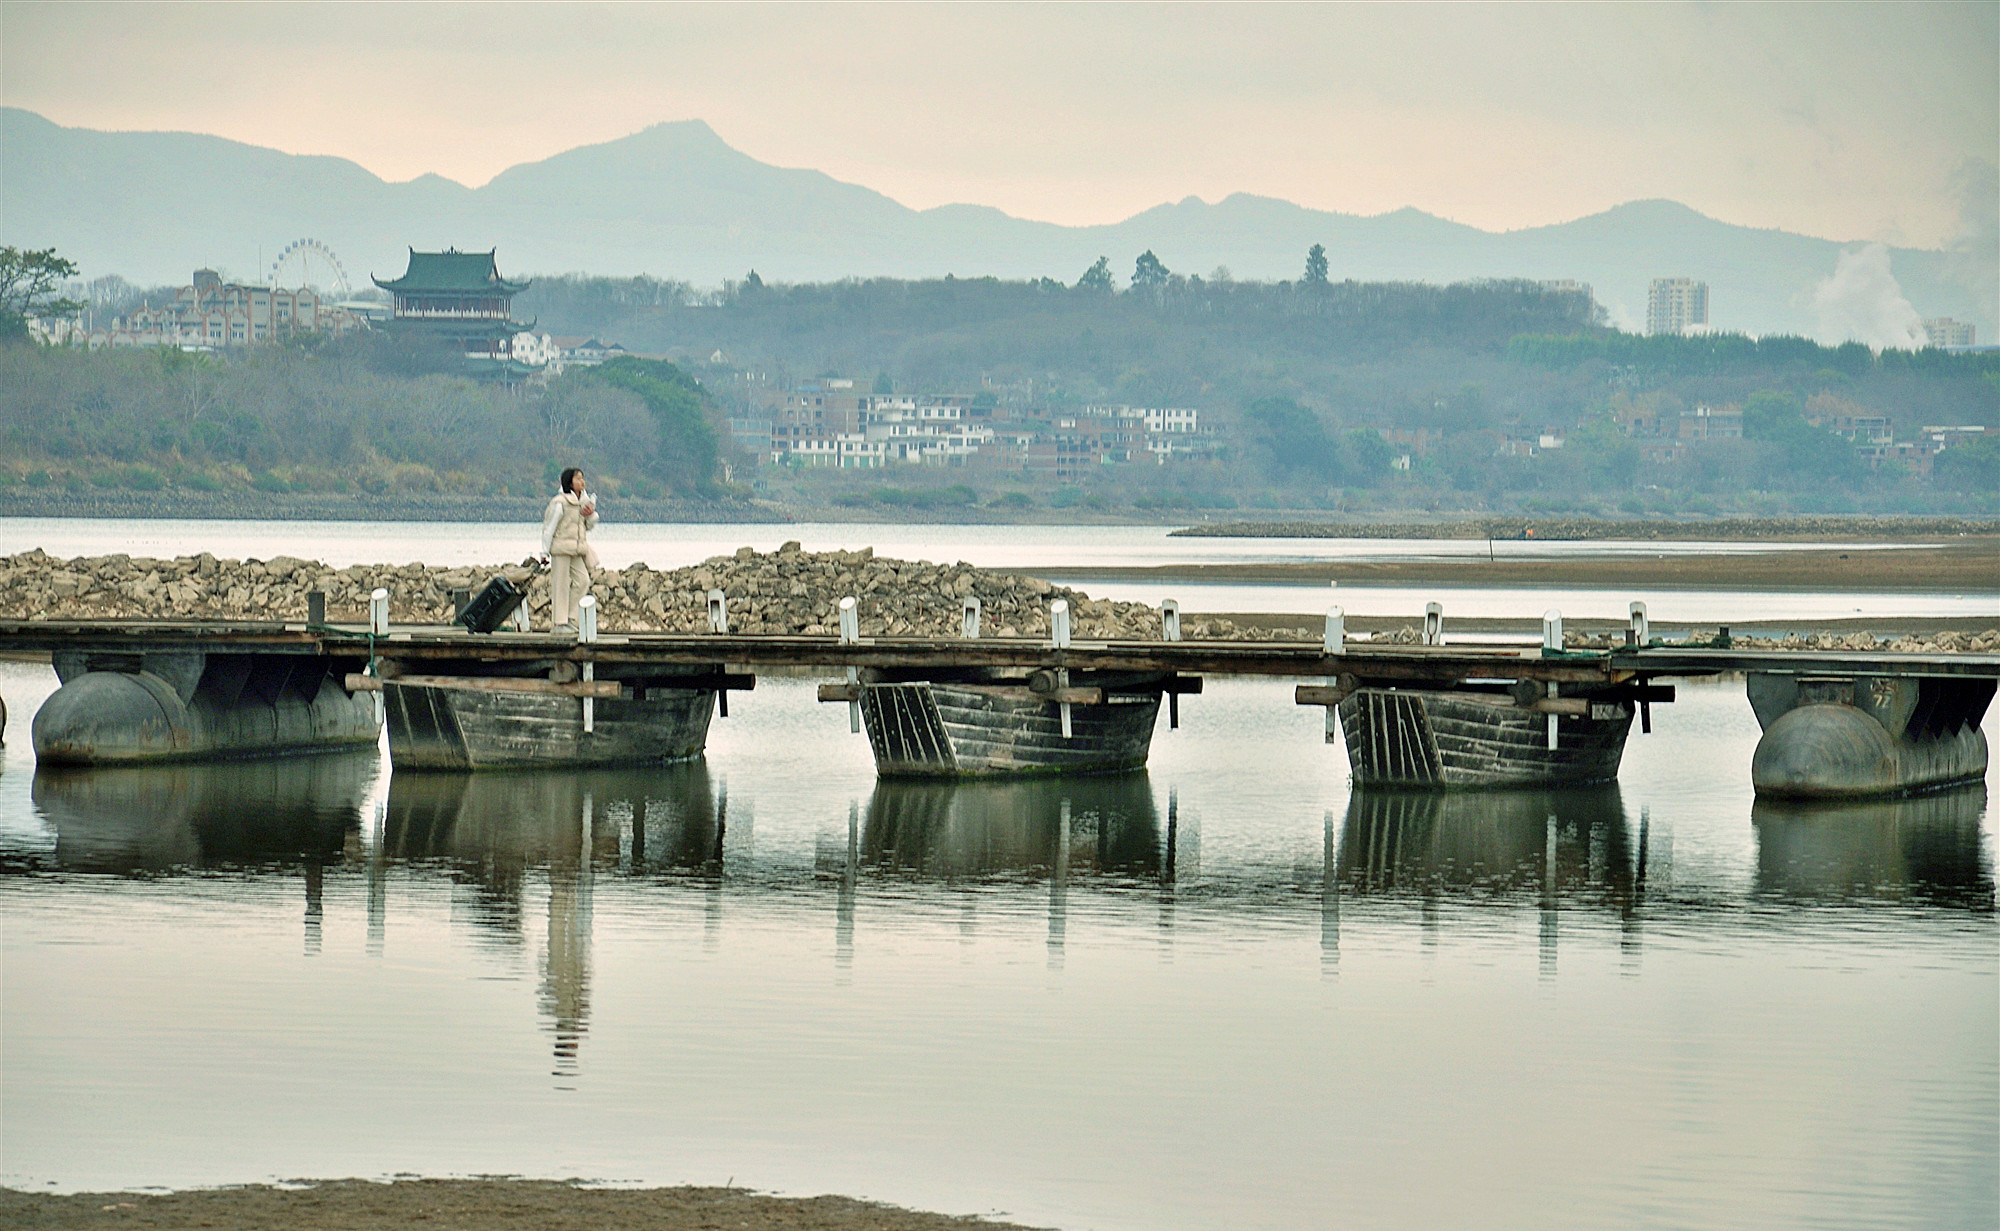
[(1844, 121)]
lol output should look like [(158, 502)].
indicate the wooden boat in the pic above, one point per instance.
[(455, 728), (968, 730), (1454, 740)]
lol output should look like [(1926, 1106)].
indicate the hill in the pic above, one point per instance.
[(676, 201)]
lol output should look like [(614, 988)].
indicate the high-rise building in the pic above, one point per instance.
[(1676, 305), (1944, 331)]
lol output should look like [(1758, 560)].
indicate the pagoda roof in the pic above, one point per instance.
[(452, 271)]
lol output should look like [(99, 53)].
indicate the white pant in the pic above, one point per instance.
[(569, 578)]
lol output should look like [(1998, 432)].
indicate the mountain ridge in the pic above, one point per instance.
[(676, 200)]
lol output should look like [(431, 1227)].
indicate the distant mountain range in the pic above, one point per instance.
[(675, 201)]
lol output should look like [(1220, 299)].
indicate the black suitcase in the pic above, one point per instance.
[(490, 608)]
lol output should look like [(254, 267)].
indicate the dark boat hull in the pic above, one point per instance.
[(927, 730), (1438, 740), (458, 729)]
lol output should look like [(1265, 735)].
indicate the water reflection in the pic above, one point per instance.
[(1553, 842), (161, 817), (1052, 826), (490, 829), (1927, 848)]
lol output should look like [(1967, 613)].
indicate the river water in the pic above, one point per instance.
[(1227, 991)]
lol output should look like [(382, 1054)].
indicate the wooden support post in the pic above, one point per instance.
[(850, 634)]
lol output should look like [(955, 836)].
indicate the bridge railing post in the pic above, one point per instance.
[(1433, 623), (850, 634), (378, 612), (1336, 631), (969, 626), (1641, 630), (586, 633), (1059, 624), (1552, 630), (718, 612), (1170, 620)]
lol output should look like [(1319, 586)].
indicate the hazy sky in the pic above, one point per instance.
[(1848, 121)]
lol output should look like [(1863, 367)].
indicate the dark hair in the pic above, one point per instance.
[(568, 475)]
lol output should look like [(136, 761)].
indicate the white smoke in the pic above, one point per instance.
[(1861, 302)]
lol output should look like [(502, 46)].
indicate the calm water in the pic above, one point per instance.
[(1074, 549), (1228, 991)]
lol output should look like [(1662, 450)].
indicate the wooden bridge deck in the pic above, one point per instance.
[(1374, 662)]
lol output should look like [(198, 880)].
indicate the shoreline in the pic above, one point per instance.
[(121, 504), (469, 1205), (1957, 566)]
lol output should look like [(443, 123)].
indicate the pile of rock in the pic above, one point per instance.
[(1947, 642), (786, 591)]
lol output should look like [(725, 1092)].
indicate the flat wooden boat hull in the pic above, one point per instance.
[(927, 730), (458, 729), (1447, 741)]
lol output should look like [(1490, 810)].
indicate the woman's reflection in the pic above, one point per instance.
[(493, 829)]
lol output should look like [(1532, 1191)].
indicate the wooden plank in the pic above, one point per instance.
[(496, 684), (840, 692)]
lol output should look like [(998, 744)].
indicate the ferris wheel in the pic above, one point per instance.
[(310, 263)]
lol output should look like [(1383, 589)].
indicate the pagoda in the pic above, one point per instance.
[(460, 299)]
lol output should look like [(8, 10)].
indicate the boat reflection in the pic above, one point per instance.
[(1925, 848), (160, 817), (490, 829), (1564, 841), (1093, 825)]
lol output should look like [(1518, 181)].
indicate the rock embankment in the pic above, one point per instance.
[(786, 591)]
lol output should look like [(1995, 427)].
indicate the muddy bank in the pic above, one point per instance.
[(468, 1205), (1726, 529), (428, 507), (1958, 566)]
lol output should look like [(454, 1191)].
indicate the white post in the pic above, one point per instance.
[(1336, 631), (1059, 624), (1433, 623), (586, 632), (969, 620), (378, 612), (718, 612), (850, 634), (1552, 718), (1170, 620), (1552, 629), (1641, 631), (521, 624)]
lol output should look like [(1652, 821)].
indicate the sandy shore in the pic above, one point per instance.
[(1957, 566), (468, 1205)]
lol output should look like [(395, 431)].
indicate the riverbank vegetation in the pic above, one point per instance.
[(1350, 399)]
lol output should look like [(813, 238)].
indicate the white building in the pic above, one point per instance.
[(1944, 331), (1676, 305), (538, 350), (209, 313)]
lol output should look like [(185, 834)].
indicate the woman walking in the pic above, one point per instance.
[(570, 516)]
